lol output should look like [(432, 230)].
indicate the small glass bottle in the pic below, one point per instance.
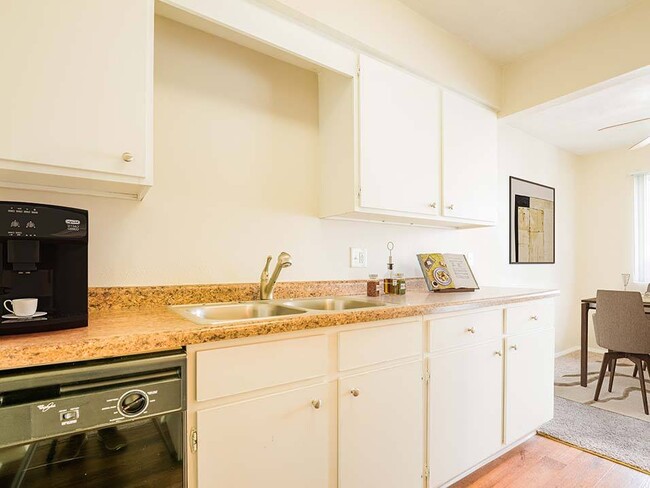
[(373, 288), (390, 282), (401, 284)]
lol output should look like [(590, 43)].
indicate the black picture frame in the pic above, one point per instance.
[(512, 209)]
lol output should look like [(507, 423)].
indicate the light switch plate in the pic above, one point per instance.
[(358, 257)]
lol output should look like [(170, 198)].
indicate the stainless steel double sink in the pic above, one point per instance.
[(216, 313)]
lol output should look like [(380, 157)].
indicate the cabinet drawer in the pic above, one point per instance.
[(232, 370), (529, 316), (465, 329), (358, 348)]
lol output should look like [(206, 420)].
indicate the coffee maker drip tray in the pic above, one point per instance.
[(40, 324)]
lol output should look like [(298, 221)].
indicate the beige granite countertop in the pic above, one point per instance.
[(140, 330)]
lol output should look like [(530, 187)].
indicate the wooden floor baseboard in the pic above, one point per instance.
[(617, 461)]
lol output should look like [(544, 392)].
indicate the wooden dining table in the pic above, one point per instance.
[(587, 304)]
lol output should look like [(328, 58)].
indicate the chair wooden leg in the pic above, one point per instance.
[(612, 372), (636, 370), (601, 376), (638, 361)]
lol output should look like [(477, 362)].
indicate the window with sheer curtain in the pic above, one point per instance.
[(642, 226)]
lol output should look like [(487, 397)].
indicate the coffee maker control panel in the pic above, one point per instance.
[(21, 220)]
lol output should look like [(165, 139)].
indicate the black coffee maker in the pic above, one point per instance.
[(44, 255)]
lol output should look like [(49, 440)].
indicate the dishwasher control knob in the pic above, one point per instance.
[(133, 403)]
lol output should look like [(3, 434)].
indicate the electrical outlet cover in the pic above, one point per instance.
[(358, 257)]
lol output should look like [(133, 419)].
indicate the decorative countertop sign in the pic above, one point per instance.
[(447, 272)]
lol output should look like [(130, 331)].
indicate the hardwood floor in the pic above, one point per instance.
[(541, 462)]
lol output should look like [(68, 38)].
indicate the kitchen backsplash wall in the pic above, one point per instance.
[(236, 139)]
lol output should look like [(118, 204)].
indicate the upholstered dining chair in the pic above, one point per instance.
[(622, 328)]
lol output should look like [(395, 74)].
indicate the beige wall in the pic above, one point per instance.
[(605, 222), (235, 179), (606, 216), (601, 50), (525, 157), (394, 31)]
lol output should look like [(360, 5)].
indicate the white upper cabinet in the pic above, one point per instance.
[(76, 95), (469, 159), (399, 138), (397, 148)]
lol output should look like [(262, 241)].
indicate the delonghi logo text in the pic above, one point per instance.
[(73, 225)]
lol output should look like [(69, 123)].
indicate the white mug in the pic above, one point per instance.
[(22, 307)]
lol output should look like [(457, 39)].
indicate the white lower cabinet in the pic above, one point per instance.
[(279, 440), (465, 409), (529, 382), (347, 406), (381, 428), (488, 387)]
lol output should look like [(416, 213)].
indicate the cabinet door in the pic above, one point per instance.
[(469, 159), (399, 127), (529, 382), (465, 409), (76, 85), (381, 428), (279, 440)]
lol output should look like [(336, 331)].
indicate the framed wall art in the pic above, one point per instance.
[(532, 222)]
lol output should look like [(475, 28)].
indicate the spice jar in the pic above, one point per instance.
[(400, 288), (373, 286)]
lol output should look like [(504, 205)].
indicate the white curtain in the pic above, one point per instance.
[(641, 227)]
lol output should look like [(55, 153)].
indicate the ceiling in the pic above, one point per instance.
[(508, 29), (572, 122)]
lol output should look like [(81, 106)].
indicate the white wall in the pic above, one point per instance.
[(525, 157), (606, 217), (235, 179), (605, 221)]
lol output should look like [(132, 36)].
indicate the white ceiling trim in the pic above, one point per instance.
[(572, 122)]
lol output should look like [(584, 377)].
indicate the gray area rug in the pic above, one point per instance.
[(615, 436), (615, 428), (625, 397)]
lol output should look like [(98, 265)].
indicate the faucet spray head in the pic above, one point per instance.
[(284, 260)]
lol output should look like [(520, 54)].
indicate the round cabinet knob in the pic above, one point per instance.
[(450, 207), (133, 403), (433, 205), (533, 317), (127, 157), (498, 353), (471, 330), (355, 392), (513, 347), (316, 404)]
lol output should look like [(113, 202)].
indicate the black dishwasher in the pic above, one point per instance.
[(112, 423)]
